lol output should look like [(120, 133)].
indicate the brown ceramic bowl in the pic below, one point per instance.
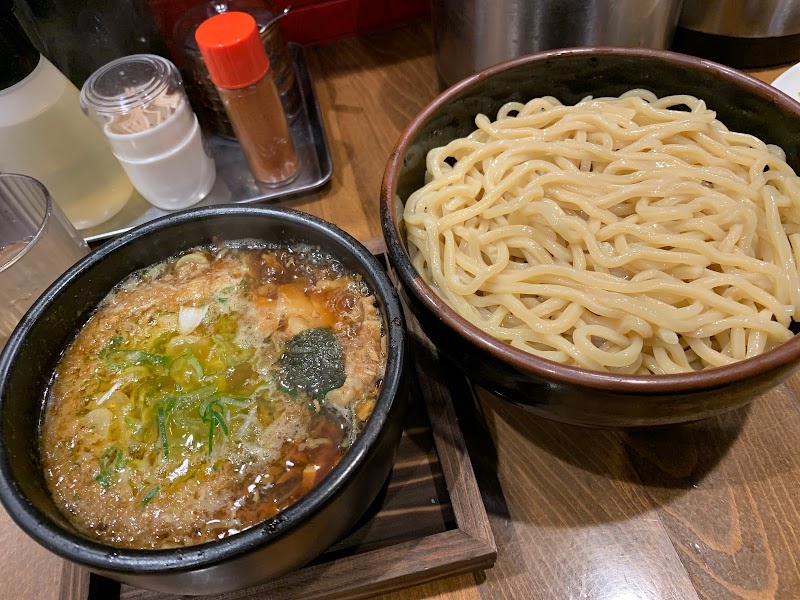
[(561, 392)]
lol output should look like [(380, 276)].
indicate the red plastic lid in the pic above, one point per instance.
[(232, 49)]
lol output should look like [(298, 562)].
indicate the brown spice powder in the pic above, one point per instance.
[(260, 125)]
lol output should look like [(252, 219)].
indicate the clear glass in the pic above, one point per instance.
[(37, 244)]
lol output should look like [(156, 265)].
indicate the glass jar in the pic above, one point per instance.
[(240, 69), (203, 93)]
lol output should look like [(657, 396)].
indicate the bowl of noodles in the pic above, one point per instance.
[(605, 236), (206, 402)]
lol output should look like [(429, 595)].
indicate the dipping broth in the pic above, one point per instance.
[(210, 392)]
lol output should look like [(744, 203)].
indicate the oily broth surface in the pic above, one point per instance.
[(210, 392)]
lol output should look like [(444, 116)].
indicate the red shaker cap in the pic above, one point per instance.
[(232, 50)]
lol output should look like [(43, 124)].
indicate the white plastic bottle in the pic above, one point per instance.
[(44, 134)]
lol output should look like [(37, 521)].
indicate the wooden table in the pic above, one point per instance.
[(708, 510)]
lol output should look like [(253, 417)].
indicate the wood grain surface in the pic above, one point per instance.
[(709, 510), (369, 90)]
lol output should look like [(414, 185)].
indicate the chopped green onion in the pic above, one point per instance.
[(235, 400), (208, 405), (198, 394), (211, 413), (110, 346), (210, 437), (149, 496), (226, 349), (121, 359), (221, 421), (195, 364), (111, 461), (134, 425), (162, 430), (119, 464)]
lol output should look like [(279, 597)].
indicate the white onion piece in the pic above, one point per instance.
[(108, 393), (195, 258), (98, 420), (190, 317)]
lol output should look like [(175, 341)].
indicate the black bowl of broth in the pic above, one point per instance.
[(490, 235), (206, 402)]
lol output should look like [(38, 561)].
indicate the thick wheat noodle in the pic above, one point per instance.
[(620, 234)]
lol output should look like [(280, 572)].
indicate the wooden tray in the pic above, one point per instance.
[(428, 522)]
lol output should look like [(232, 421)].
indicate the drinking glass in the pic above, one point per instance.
[(37, 244)]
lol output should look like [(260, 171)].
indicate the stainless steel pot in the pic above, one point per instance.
[(741, 33), (470, 35), (743, 18)]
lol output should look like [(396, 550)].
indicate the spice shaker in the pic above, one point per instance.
[(202, 93), (140, 103), (239, 67), (44, 135)]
